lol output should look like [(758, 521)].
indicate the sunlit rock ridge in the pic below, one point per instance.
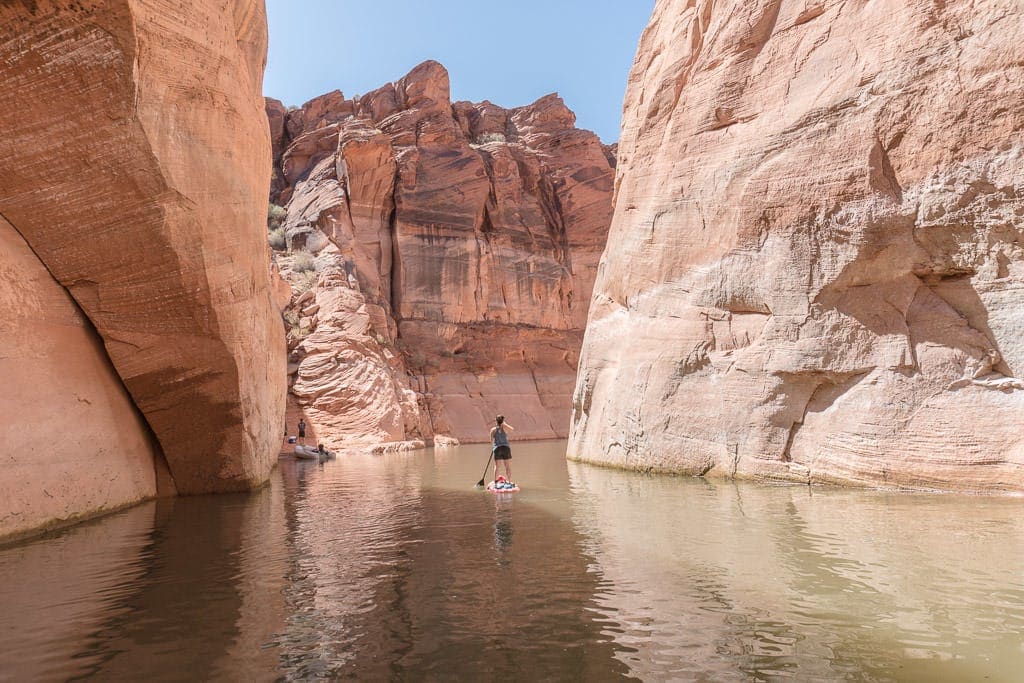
[(456, 246), (815, 269), (142, 351)]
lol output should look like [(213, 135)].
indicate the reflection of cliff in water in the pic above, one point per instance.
[(178, 587), (210, 591), (44, 643), (403, 580), (342, 542), (741, 580), (368, 567)]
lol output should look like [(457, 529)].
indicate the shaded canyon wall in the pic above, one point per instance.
[(72, 441), (817, 259), (133, 171), (456, 246)]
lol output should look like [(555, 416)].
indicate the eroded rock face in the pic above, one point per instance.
[(134, 162), (72, 443), (458, 245), (815, 261)]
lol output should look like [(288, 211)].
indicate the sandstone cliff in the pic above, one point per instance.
[(134, 165), (817, 251), (71, 441), (457, 246)]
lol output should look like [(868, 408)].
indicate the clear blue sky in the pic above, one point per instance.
[(510, 53)]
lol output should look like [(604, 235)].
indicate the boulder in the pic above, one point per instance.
[(398, 447)]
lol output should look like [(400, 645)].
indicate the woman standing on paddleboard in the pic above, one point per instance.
[(502, 451)]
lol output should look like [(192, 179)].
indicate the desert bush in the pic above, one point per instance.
[(302, 282), (303, 262), (277, 239), (275, 216), (294, 331), (296, 334), (484, 138)]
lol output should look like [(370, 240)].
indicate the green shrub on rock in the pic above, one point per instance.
[(275, 216), (277, 239)]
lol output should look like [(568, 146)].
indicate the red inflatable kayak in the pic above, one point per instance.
[(502, 486)]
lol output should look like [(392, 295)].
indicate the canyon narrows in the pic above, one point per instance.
[(455, 246), (815, 263), (143, 352), (813, 267)]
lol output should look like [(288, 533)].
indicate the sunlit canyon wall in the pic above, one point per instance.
[(815, 262), (456, 246)]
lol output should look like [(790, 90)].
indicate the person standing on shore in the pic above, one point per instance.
[(302, 431), (501, 449)]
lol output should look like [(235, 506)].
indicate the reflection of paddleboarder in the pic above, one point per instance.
[(502, 451), (503, 527)]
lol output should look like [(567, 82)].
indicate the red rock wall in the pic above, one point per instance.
[(466, 238), (72, 443), (815, 261), (135, 163)]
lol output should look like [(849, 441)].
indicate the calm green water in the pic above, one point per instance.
[(395, 568)]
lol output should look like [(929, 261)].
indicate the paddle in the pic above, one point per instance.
[(481, 482)]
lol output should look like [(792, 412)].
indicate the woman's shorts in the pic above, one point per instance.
[(502, 453)]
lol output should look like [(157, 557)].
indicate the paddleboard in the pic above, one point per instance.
[(493, 489)]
